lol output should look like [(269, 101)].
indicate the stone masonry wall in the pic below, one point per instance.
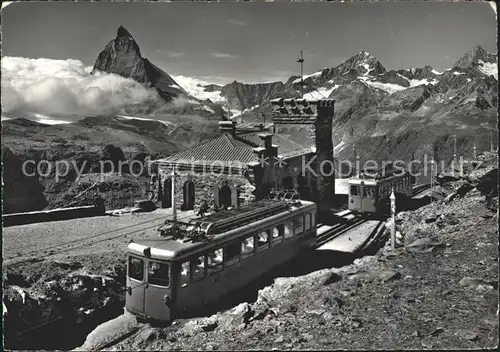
[(206, 185)]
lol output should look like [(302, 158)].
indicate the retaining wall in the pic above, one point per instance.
[(52, 215)]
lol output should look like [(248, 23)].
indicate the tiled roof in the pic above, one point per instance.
[(285, 145), (230, 150), (224, 149)]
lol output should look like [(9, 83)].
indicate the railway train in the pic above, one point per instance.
[(198, 261), (369, 194)]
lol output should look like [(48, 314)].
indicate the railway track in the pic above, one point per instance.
[(347, 222), (419, 189)]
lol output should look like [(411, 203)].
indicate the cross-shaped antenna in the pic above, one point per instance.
[(301, 61)]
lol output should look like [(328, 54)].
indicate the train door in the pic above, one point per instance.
[(354, 195), (136, 285), (368, 198), (158, 293)]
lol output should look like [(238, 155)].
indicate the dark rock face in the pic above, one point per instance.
[(472, 58), (394, 78), (242, 96), (21, 193), (122, 56), (425, 72)]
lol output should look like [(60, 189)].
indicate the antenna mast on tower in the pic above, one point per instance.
[(301, 61)]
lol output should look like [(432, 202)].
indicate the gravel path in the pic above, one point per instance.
[(79, 237)]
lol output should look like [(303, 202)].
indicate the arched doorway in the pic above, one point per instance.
[(303, 188), (287, 182), (188, 195), (225, 196)]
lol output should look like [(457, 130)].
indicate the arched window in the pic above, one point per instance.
[(167, 194), (225, 196), (287, 182)]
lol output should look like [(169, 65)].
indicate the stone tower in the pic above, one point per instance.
[(309, 123)]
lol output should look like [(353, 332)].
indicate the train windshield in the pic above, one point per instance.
[(354, 190), (136, 268), (158, 274)]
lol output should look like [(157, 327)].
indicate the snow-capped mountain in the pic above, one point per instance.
[(122, 56)]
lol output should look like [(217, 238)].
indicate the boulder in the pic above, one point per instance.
[(145, 205), (236, 317), (463, 188), (389, 275), (488, 183), (450, 197), (424, 245)]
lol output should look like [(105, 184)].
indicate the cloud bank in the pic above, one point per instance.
[(66, 87)]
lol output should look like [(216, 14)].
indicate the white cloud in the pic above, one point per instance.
[(237, 22), (223, 55), (65, 87)]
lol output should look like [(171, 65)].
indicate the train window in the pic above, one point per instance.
[(185, 269), (136, 268), (247, 247), (307, 223), (215, 261), (199, 268), (158, 274), (289, 229), (299, 225), (369, 192), (263, 240), (354, 190), (278, 234), (232, 253)]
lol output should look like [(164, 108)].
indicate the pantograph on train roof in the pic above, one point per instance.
[(205, 228)]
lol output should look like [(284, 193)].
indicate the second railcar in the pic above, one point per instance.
[(372, 195)]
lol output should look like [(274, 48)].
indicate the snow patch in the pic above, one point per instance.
[(321, 93), (488, 68), (209, 109), (388, 87), (418, 82), (166, 123), (339, 147), (307, 76), (196, 88), (458, 73), (237, 113), (436, 72)]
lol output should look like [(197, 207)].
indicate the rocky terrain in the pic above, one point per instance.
[(80, 148), (438, 290)]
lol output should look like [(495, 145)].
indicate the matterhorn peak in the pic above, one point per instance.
[(122, 32), (365, 54)]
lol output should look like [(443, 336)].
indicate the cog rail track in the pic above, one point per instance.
[(348, 222)]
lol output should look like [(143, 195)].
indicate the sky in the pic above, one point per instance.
[(252, 42)]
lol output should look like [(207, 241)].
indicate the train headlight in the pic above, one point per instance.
[(166, 300)]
